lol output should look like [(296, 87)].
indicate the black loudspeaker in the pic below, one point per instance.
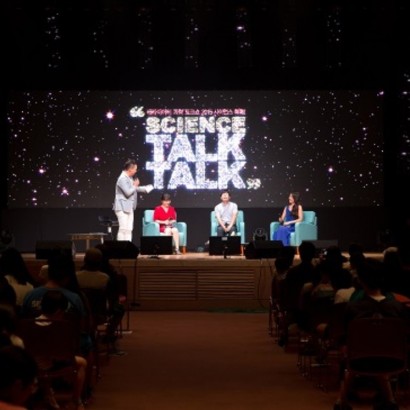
[(44, 249), (225, 245), (156, 245), (263, 249), (322, 245), (119, 250)]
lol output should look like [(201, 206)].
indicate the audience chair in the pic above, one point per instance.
[(304, 231), (332, 338), (313, 315), (98, 304), (151, 228), (123, 300), (376, 347), (54, 347)]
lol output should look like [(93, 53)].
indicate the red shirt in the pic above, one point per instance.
[(160, 214)]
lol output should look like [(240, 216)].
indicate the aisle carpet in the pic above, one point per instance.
[(204, 361)]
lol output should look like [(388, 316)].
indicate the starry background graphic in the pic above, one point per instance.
[(67, 148)]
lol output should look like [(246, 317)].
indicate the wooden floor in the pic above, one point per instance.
[(212, 360)]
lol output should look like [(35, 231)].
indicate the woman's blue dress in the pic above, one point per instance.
[(283, 233)]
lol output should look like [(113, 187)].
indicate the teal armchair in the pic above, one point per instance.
[(151, 228), (304, 231), (240, 224)]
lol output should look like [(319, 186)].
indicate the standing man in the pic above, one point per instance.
[(226, 213), (126, 193)]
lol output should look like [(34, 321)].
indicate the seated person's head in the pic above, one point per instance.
[(355, 248), (60, 267), (288, 253), (11, 261), (371, 274), (18, 375), (225, 196), (392, 258), (53, 303), (334, 256), (93, 259), (7, 293), (307, 251), (165, 197), (281, 264), (356, 259), (341, 279)]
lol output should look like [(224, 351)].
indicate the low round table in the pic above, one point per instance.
[(87, 237)]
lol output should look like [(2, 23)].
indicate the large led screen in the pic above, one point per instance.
[(67, 148)]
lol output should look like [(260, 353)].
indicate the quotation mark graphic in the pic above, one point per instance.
[(253, 183), (137, 112)]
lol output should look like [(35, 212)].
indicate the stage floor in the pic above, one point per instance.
[(189, 256), (192, 281)]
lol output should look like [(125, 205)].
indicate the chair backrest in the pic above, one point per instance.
[(377, 345), (240, 218), (309, 217), (50, 341), (148, 216), (98, 303), (336, 329)]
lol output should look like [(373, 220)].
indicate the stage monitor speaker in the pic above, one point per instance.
[(263, 249), (120, 250), (44, 249), (225, 245), (322, 245), (156, 245)]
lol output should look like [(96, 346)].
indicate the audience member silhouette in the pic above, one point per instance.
[(7, 293), (18, 378), (296, 278), (14, 269), (53, 307), (396, 278), (8, 326), (373, 303)]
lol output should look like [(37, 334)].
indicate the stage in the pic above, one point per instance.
[(192, 281)]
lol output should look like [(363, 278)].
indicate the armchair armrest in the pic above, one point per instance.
[(274, 226), (305, 231), (242, 232), (181, 226), (214, 225), (183, 232), (151, 229)]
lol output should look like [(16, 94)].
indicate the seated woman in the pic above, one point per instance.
[(291, 214), (14, 269), (166, 216)]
